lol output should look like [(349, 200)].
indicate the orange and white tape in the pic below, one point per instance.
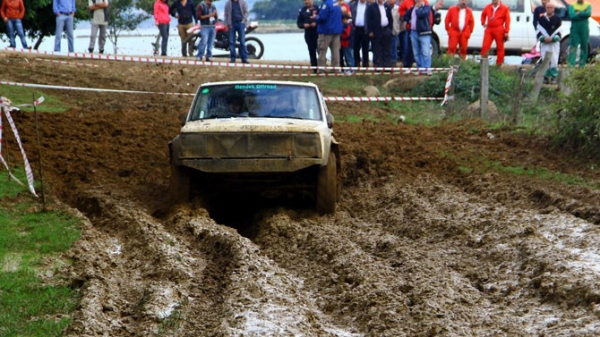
[(6, 107), (144, 59), (327, 98)]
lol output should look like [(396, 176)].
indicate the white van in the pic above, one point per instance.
[(522, 36)]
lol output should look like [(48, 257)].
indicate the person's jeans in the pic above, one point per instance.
[(348, 56), (240, 29), (163, 30), (421, 45), (13, 25), (394, 50), (64, 22), (207, 40), (408, 57)]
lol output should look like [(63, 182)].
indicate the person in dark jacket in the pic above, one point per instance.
[(329, 28), (379, 17), (358, 9), (185, 12), (307, 20), (420, 17), (548, 33), (236, 18)]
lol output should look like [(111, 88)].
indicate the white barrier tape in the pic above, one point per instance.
[(5, 106), (45, 86), (35, 103), (148, 59), (380, 99)]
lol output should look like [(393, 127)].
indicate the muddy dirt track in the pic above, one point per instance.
[(419, 246)]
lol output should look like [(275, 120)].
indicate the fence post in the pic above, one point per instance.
[(563, 74), (484, 83), (539, 77)]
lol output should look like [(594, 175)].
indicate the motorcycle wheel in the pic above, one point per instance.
[(194, 39), (255, 48)]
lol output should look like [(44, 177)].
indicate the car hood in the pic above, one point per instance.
[(252, 125)]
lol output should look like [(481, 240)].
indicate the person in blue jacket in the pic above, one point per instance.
[(329, 29)]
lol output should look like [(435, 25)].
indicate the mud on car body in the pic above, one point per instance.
[(266, 136)]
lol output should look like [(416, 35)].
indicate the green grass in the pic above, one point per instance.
[(23, 95), (481, 164), (31, 242)]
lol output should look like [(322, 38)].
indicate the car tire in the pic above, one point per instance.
[(179, 186), (327, 186)]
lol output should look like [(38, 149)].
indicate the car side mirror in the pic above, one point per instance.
[(329, 120)]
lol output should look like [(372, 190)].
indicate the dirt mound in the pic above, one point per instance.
[(429, 239)]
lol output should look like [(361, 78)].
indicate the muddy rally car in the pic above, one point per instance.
[(267, 137)]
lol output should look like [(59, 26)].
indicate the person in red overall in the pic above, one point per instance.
[(495, 17), (459, 24)]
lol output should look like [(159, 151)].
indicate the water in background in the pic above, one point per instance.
[(278, 46)]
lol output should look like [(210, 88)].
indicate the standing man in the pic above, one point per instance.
[(329, 28), (207, 14), (408, 57), (236, 18), (379, 18), (99, 10), (64, 11), (548, 29), (185, 12), (421, 18), (495, 18), (459, 24), (361, 38), (579, 12), (306, 20), (12, 11)]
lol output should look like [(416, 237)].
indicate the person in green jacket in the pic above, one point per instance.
[(579, 12)]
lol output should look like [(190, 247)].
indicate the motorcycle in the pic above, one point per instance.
[(254, 46)]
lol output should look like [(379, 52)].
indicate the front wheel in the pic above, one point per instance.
[(193, 39), (254, 47), (327, 186), (179, 187)]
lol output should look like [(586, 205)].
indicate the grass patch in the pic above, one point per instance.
[(24, 95), (33, 302), (480, 164)]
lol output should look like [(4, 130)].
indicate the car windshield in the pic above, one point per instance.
[(253, 100)]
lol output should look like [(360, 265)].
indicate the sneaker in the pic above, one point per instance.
[(245, 61), (429, 73), (91, 50), (406, 71), (101, 51), (416, 73), (546, 80), (348, 72)]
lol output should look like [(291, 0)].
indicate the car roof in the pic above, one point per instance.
[(293, 83)]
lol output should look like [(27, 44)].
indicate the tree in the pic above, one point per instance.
[(123, 17)]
